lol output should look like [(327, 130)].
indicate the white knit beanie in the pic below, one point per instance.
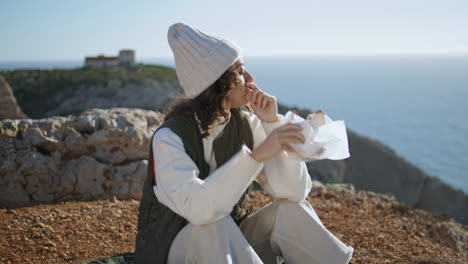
[(200, 58)]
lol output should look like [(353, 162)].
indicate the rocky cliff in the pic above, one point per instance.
[(8, 106), (47, 93), (375, 167), (114, 93)]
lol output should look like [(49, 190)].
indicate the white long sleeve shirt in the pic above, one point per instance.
[(206, 201)]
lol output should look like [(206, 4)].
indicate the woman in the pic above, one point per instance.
[(204, 159)]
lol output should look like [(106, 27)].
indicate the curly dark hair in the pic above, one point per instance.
[(211, 103)]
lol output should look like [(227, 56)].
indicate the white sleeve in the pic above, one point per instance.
[(283, 177), (199, 201)]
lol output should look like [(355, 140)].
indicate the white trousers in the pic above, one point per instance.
[(282, 230)]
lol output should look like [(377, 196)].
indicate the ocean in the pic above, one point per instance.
[(415, 104)]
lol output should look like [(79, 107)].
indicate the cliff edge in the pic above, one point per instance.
[(8, 106)]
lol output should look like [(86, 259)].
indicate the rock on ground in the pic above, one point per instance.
[(96, 155)]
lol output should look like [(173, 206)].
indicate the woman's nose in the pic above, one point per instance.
[(248, 77)]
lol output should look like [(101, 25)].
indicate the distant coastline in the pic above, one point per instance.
[(65, 64), (52, 64), (168, 61)]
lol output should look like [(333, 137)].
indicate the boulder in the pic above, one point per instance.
[(96, 155)]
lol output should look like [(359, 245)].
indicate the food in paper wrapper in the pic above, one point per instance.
[(324, 138)]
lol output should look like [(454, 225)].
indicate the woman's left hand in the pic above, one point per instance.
[(263, 104)]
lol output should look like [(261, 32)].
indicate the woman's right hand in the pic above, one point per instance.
[(278, 140)]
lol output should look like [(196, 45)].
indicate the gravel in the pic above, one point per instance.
[(380, 229)]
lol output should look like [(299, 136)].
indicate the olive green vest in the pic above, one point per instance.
[(157, 224)]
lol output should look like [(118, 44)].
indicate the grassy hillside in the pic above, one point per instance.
[(32, 88)]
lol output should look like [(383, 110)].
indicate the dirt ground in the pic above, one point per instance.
[(380, 230)]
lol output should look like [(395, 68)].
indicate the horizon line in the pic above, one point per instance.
[(284, 54)]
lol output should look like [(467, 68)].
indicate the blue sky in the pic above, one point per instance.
[(70, 30)]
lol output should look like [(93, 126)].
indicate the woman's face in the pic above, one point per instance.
[(237, 96)]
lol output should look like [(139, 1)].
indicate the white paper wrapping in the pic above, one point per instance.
[(325, 138)]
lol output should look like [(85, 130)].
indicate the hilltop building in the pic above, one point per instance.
[(125, 58)]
